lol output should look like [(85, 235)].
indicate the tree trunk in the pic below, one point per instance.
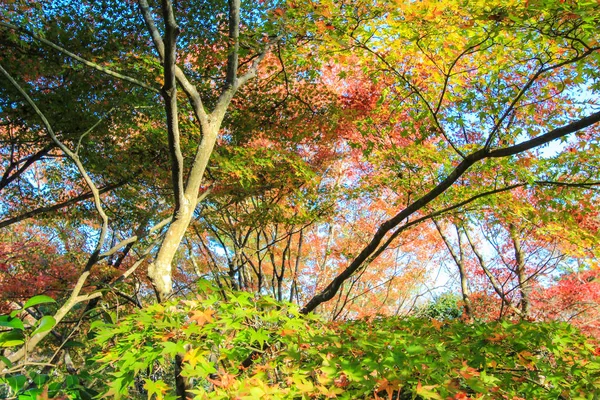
[(524, 288)]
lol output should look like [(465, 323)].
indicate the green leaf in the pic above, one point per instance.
[(45, 323), (11, 322), (6, 361), (427, 392), (172, 349), (415, 349), (72, 381), (97, 324), (17, 382), (39, 379), (157, 388), (35, 300), (72, 344), (12, 338), (261, 336)]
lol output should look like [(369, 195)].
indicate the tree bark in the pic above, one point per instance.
[(524, 288), (460, 263)]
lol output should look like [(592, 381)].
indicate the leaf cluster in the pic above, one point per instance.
[(299, 357), (35, 380)]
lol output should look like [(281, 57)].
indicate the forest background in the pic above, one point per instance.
[(255, 199)]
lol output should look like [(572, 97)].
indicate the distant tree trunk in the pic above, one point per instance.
[(460, 263), (182, 384), (464, 289), (495, 284), (524, 288), (294, 284)]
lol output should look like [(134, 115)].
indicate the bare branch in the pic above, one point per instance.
[(490, 276), (132, 239), (7, 178), (74, 297), (542, 70)]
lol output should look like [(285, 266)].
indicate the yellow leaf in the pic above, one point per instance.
[(427, 392), (192, 357)]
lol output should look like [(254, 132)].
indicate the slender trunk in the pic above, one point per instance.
[(294, 285), (495, 284), (464, 283), (182, 384), (460, 263), (524, 288), (323, 265)]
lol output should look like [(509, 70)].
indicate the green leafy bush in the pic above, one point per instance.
[(33, 380), (301, 357), (444, 307)]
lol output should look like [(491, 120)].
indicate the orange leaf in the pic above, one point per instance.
[(341, 381), (436, 324), (226, 380), (202, 317)]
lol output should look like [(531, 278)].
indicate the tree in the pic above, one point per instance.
[(186, 189), (448, 90), (298, 148)]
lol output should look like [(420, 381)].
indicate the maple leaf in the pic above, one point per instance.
[(331, 392), (225, 381), (158, 388), (202, 317), (303, 385), (497, 337), (427, 391), (437, 324), (389, 387), (168, 336), (341, 381), (287, 332), (192, 357), (525, 358)]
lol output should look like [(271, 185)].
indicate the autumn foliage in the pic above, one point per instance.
[(299, 199)]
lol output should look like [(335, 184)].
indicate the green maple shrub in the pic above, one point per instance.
[(34, 380), (301, 357), (443, 307)]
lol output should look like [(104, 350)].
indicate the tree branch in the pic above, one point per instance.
[(7, 178), (75, 158), (74, 297), (58, 206), (169, 93), (189, 89), (158, 226), (81, 59), (479, 155)]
